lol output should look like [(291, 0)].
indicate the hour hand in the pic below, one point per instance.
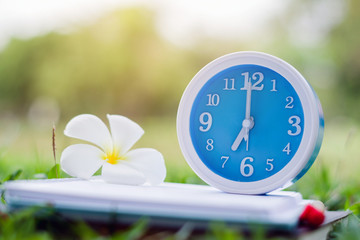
[(239, 139), (243, 134)]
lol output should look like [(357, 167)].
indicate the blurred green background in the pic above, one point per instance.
[(121, 62)]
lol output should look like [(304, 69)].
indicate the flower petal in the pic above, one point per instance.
[(122, 173), (81, 160), (125, 133), (89, 128), (150, 162)]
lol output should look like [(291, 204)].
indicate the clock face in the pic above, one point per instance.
[(248, 122), (218, 121)]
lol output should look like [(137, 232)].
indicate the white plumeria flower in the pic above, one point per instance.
[(111, 152)]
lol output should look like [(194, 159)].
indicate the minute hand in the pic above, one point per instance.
[(248, 101)]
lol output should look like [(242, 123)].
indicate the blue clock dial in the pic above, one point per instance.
[(246, 123)]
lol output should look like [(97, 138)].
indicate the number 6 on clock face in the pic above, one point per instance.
[(249, 123)]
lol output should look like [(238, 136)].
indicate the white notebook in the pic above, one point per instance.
[(168, 203)]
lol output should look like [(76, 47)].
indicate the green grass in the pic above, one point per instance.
[(332, 179)]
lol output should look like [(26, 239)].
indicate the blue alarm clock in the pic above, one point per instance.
[(249, 123)]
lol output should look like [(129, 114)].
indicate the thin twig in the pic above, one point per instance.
[(54, 148)]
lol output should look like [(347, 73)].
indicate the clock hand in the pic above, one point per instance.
[(243, 134), (238, 139), (247, 139), (247, 124), (248, 100)]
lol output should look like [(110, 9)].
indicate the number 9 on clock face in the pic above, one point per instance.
[(249, 123)]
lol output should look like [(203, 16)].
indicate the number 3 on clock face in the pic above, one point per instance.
[(249, 123)]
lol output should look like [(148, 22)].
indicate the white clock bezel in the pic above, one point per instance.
[(311, 132)]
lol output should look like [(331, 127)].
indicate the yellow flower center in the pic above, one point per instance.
[(113, 157)]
